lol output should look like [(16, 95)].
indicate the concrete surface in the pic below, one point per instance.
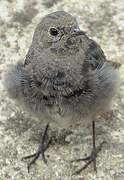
[(103, 20)]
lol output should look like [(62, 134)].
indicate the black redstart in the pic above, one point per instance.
[(65, 78)]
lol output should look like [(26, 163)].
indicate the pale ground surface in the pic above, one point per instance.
[(103, 20)]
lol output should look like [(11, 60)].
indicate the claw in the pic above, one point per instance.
[(90, 159), (41, 149), (93, 155)]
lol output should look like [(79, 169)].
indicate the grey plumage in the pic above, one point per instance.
[(65, 77)]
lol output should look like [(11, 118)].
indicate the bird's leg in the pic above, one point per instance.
[(41, 149), (94, 146), (92, 156)]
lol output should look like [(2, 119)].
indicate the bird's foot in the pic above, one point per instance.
[(41, 149), (91, 158)]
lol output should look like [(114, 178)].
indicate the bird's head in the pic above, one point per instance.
[(58, 31)]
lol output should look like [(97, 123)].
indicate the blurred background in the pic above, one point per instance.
[(103, 21)]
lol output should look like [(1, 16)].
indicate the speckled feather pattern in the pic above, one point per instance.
[(63, 79)]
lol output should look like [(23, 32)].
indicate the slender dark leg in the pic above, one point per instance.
[(93, 155), (94, 146), (41, 149)]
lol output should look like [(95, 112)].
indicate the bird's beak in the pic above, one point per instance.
[(77, 32), (64, 36)]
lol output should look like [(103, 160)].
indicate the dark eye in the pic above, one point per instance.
[(53, 32)]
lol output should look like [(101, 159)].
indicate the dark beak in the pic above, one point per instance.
[(77, 32)]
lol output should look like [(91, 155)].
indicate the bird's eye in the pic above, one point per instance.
[(53, 32)]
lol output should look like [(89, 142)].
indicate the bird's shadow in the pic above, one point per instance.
[(19, 124)]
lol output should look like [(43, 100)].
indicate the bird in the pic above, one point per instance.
[(65, 78)]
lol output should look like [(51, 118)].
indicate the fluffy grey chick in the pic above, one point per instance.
[(65, 77)]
